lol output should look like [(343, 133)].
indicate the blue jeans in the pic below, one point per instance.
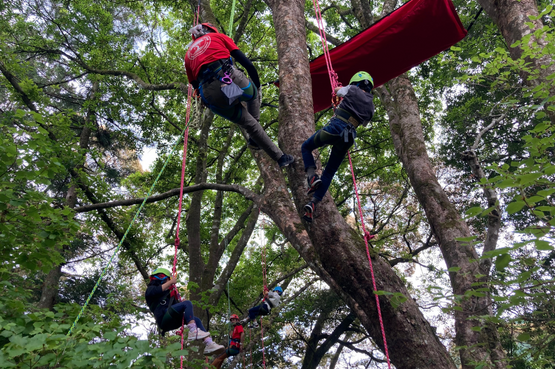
[(186, 308), (258, 310), (332, 134)]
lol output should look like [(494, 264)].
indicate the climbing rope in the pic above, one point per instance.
[(263, 259), (368, 237), (177, 240), (335, 83), (230, 28), (125, 235)]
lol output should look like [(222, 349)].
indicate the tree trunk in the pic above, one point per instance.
[(52, 280), (331, 247), (448, 226), (511, 17)]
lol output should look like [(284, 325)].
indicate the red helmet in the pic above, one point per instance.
[(197, 31), (234, 316), (211, 26)]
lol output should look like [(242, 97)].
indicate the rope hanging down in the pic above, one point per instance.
[(263, 256), (334, 83), (177, 240), (125, 235)]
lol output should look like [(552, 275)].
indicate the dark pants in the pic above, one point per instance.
[(333, 134), (258, 310), (228, 353), (245, 111), (174, 316)]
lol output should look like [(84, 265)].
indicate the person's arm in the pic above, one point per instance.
[(342, 91), (246, 62), (168, 284)]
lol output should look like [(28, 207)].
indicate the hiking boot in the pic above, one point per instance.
[(309, 211), (213, 349), (197, 334), (251, 144), (285, 160), (313, 183)]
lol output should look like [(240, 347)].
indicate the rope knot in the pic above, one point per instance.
[(177, 242), (368, 236)]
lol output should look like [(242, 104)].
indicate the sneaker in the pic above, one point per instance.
[(313, 183), (252, 144), (254, 324), (309, 211), (244, 321), (213, 349), (285, 160), (197, 334)]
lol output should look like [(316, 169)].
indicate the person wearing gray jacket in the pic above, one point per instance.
[(271, 300)]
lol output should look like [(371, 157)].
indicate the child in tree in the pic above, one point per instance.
[(355, 109), (271, 300), (235, 342), (169, 311)]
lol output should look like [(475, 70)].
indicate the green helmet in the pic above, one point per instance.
[(362, 76), (162, 271)]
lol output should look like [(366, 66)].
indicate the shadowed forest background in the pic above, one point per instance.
[(456, 174)]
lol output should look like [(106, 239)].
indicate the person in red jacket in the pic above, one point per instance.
[(226, 90), (235, 342)]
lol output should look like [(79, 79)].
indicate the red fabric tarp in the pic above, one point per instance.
[(401, 40)]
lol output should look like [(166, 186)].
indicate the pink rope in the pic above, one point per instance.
[(335, 83), (367, 237), (262, 341), (177, 240)]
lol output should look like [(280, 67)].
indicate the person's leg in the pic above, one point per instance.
[(258, 134), (198, 322), (306, 149), (219, 360), (337, 155), (254, 312), (185, 308)]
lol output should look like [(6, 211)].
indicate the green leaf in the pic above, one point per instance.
[(502, 261), (454, 269), (515, 206), (523, 337), (543, 245), (474, 211)]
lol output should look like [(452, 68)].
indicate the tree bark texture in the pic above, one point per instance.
[(447, 225), (331, 247), (511, 16)]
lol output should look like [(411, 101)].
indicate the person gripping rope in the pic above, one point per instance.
[(169, 311), (225, 90), (270, 301), (235, 342), (355, 109)]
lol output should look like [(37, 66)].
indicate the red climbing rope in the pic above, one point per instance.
[(263, 256), (335, 83), (368, 237)]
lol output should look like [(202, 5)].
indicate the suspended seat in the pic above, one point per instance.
[(406, 37)]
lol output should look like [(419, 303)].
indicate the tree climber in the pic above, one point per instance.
[(236, 339), (355, 109), (271, 300), (160, 297), (226, 90)]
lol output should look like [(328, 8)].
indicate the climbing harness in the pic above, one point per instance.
[(367, 236)]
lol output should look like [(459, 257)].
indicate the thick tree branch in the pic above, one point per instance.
[(332, 40), (248, 194)]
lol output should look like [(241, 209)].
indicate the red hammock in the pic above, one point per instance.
[(408, 36)]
